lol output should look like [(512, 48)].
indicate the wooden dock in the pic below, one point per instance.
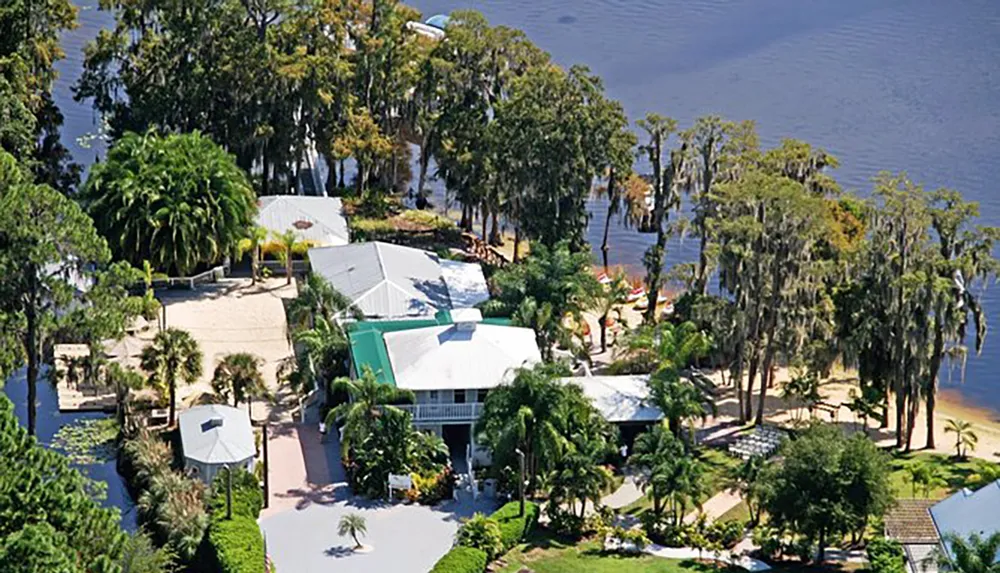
[(78, 396)]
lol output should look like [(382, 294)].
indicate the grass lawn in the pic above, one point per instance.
[(716, 463), (954, 473), (545, 555)]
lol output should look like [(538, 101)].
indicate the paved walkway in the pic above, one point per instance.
[(715, 506), (626, 494), (309, 494), (748, 563)]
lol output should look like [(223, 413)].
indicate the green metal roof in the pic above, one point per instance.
[(368, 345)]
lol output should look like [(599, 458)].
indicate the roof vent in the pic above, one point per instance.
[(213, 422), (465, 319)]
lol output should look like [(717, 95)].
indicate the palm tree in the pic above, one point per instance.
[(965, 438), (318, 298), (369, 399), (664, 346), (352, 525), (256, 236), (580, 475), (325, 349), (238, 376), (177, 200), (530, 415), (975, 555), (604, 300), (288, 241), (679, 400), (668, 475), (744, 479), (173, 356)]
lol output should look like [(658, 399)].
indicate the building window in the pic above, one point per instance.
[(481, 395), (460, 396), (433, 396)]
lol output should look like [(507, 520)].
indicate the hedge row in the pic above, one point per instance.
[(513, 529), (235, 545), (461, 560)]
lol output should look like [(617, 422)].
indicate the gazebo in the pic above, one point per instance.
[(214, 437)]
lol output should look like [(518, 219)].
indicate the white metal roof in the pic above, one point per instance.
[(619, 398), (216, 434), (448, 357), (386, 280), (316, 219)]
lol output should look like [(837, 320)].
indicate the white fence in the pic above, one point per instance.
[(210, 276)]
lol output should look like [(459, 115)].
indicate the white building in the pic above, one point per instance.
[(393, 281), (318, 220), (450, 363), (214, 437)]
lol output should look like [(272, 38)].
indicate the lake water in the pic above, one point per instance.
[(50, 420), (884, 85)]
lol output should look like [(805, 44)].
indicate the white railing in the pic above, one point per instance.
[(467, 412)]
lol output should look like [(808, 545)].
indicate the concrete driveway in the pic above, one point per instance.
[(309, 497)]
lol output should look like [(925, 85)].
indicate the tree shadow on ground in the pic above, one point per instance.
[(339, 551)]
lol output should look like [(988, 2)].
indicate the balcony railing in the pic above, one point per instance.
[(467, 412)]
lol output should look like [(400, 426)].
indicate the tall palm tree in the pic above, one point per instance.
[(580, 476), (975, 555), (173, 357), (669, 476), (353, 525), (238, 376), (288, 241), (369, 399), (530, 415), (965, 438), (318, 298), (256, 236), (680, 401)]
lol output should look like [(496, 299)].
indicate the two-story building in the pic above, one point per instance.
[(450, 362)]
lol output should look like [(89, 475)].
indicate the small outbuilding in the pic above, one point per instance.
[(214, 437), (318, 220)]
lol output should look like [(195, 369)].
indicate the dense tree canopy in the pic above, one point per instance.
[(178, 201), (825, 485), (48, 249), (50, 522)]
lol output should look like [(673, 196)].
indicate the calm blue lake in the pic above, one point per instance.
[(899, 85)]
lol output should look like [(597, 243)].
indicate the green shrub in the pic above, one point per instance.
[(482, 533), (235, 546), (513, 528), (885, 556), (461, 560), (248, 498)]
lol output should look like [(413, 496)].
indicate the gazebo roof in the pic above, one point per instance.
[(216, 434)]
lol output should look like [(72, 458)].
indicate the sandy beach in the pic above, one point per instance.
[(835, 391), (231, 316)]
